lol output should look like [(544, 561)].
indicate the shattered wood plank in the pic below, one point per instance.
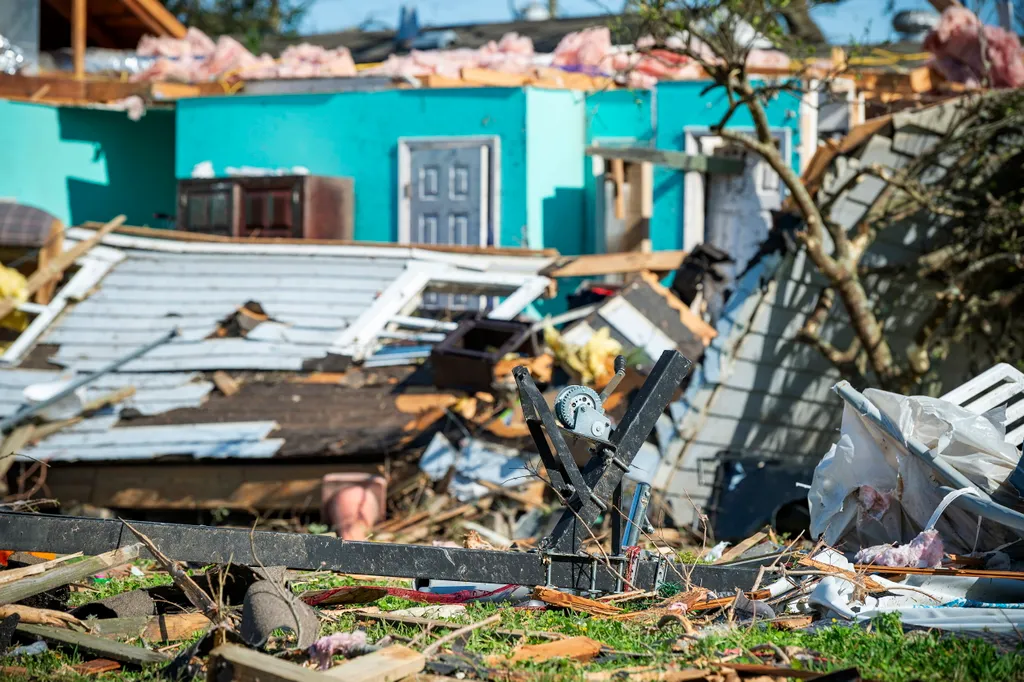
[(175, 627), (570, 601), (13, 574), (238, 664), (574, 648), (857, 579), (225, 383), (737, 550), (34, 616), (54, 269), (619, 263), (389, 664), (791, 622), (704, 331), (99, 646), (62, 575)]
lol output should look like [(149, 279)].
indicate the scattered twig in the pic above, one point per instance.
[(433, 648)]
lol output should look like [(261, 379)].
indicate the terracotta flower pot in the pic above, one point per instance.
[(353, 503)]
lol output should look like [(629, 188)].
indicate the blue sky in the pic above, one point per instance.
[(857, 20)]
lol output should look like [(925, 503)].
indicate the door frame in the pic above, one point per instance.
[(490, 234), (694, 188)]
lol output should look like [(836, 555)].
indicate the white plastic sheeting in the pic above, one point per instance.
[(868, 489)]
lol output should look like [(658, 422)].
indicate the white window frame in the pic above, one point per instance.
[(491, 209)]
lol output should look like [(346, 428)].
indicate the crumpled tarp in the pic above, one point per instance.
[(868, 491), (957, 45)]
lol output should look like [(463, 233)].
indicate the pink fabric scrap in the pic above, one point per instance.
[(347, 644), (924, 551), (957, 45)]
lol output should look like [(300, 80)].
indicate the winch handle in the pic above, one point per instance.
[(620, 373)]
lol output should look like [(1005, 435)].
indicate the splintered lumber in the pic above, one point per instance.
[(172, 627), (573, 648), (55, 268), (13, 574), (238, 664), (735, 552), (862, 580), (34, 616), (62, 575), (670, 159), (389, 664), (225, 383), (620, 263), (455, 634), (570, 601), (98, 646)]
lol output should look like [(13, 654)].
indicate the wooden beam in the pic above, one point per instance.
[(238, 664), (619, 177), (100, 646), (63, 575), (154, 9), (151, 23), (79, 22), (619, 263), (670, 159)]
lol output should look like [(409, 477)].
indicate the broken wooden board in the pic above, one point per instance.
[(564, 600), (864, 581), (225, 383), (15, 574), (389, 664), (238, 664), (353, 594), (173, 627), (734, 552), (69, 573), (617, 263), (99, 646), (574, 648), (33, 616)]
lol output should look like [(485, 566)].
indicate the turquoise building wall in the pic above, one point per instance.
[(555, 160), (679, 106), (88, 164), (355, 134)]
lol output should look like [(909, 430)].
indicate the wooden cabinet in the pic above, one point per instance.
[(280, 206)]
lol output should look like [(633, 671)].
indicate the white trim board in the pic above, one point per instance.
[(357, 341), (490, 232), (481, 262)]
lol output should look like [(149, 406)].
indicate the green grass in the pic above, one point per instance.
[(881, 652)]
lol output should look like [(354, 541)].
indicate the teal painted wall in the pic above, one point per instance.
[(679, 105), (620, 113), (555, 161), (88, 164), (356, 135)]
